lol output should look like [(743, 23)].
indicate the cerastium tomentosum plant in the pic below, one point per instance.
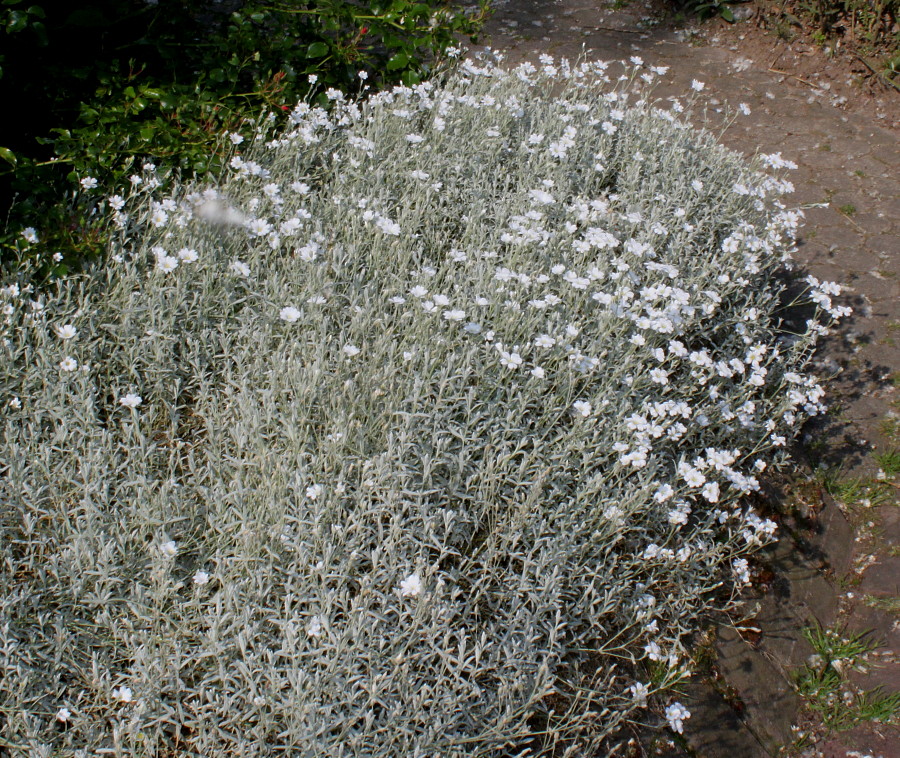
[(425, 432)]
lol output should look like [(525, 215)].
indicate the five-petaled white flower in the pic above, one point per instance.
[(411, 586), (510, 360), (351, 350), (68, 364), (66, 331), (314, 491), (169, 549), (63, 715), (131, 400), (88, 182), (583, 407), (290, 314), (167, 263), (29, 234)]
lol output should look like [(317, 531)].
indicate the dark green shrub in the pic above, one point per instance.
[(162, 81)]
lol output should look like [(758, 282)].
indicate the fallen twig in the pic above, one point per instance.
[(793, 76), (613, 29)]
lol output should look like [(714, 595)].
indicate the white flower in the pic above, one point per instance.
[(63, 715), (187, 255), (201, 578), (66, 331), (168, 549), (166, 263), (159, 217), (744, 109), (675, 715), (68, 364), (583, 407), (418, 291), (235, 138), (541, 198), (693, 477), (741, 569), (660, 376), (259, 227), (411, 586), (314, 491), (510, 360), (363, 75), (414, 139), (123, 694), (454, 315), (387, 226), (545, 340), (289, 313), (88, 182), (711, 492), (350, 350), (538, 372), (639, 692), (130, 400), (654, 652), (314, 629), (665, 492), (29, 234), (697, 86), (240, 268)]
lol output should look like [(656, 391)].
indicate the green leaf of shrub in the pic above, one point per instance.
[(398, 61), (9, 156)]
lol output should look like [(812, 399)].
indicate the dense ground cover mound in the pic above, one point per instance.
[(426, 431)]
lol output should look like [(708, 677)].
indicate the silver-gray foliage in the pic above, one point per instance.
[(426, 432)]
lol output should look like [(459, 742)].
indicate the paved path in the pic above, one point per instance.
[(833, 558)]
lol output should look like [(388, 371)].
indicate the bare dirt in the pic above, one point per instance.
[(838, 559)]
